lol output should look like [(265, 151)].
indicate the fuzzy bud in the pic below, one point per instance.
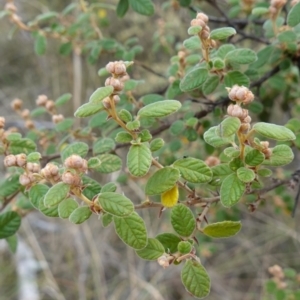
[(203, 17), (25, 113), (120, 68), (267, 153), (115, 83), (25, 180), (50, 104), (198, 22), (51, 170), (265, 144), (163, 261), (124, 78), (106, 103), (21, 159), (276, 271), (205, 34), (245, 127), (10, 161), (76, 162), (235, 110), (247, 120), (110, 67), (116, 99), (57, 118), (29, 124), (2, 122), (33, 167), (41, 100), (212, 161), (213, 44), (240, 94), (16, 104), (245, 114), (71, 179)]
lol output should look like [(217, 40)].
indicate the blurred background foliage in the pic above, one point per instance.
[(89, 261)]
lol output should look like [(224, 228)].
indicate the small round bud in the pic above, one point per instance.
[(124, 78), (116, 99), (74, 162), (249, 98), (203, 17), (120, 68), (71, 179), (41, 100), (247, 119), (267, 153), (213, 44), (25, 113), (16, 104), (115, 83), (57, 118), (110, 67), (106, 102), (205, 34), (197, 22), (29, 124), (235, 110), (265, 144), (21, 159), (245, 127), (50, 104), (10, 161), (164, 260), (212, 161), (2, 122), (33, 167), (51, 170), (24, 179)]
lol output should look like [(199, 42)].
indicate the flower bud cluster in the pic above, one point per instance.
[(57, 118), (240, 94), (119, 74), (16, 105), (51, 172), (265, 149), (235, 110), (43, 101), (276, 6), (71, 178), (278, 276), (18, 160), (77, 163), (202, 20)]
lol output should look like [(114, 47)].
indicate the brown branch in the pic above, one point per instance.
[(138, 63), (6, 201)]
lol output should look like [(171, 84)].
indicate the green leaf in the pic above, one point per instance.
[(153, 250), (195, 279), (56, 194), (275, 132), (49, 212), (40, 44), (173, 89), (92, 187), (78, 148), (65, 49), (66, 207), (232, 189), (228, 127), (133, 125), (12, 242), (37, 194), (63, 99), (193, 30), (100, 94), (132, 231), (224, 49), (21, 146), (193, 170), (115, 204), (64, 125), (9, 186), (222, 33), (106, 219), (123, 137), (183, 220), (156, 144), (14, 136), (103, 145), (125, 115), (161, 181), (159, 109), (212, 138), (143, 7), (88, 109), (109, 163), (210, 84), (38, 112), (184, 247), (263, 172), (222, 229), (122, 8), (220, 172), (236, 77), (281, 155), (94, 163), (254, 158), (177, 127), (145, 135), (34, 157), (46, 16), (170, 241), (151, 98), (80, 214), (193, 79), (109, 187), (192, 43), (245, 175), (241, 56), (10, 222), (232, 152), (293, 17), (139, 160)]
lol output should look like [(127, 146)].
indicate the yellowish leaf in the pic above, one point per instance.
[(170, 197)]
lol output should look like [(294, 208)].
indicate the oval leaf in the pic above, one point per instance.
[(254, 157), (246, 175), (232, 189), (241, 56), (139, 160), (170, 241), (193, 79), (275, 132), (109, 163), (159, 109), (152, 251), (212, 138), (143, 7), (222, 33), (193, 170), (132, 231), (100, 94), (56, 194), (103, 145), (162, 181), (10, 222), (80, 214), (115, 204), (293, 17), (66, 207), (37, 194), (195, 279), (281, 155), (183, 220), (78, 148), (229, 126), (222, 229), (88, 109)]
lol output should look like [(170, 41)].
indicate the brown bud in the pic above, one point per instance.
[(247, 119), (33, 167), (204, 34), (29, 124), (245, 114), (267, 153), (278, 3), (76, 162), (249, 98), (41, 100), (50, 104), (265, 144), (2, 122), (25, 113), (16, 104), (57, 118), (203, 17), (198, 22), (181, 54), (212, 161), (115, 83), (110, 67), (245, 127), (25, 180), (124, 78), (51, 170), (116, 99), (235, 110), (71, 179), (106, 103), (120, 68), (21, 159), (10, 161), (213, 44)]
